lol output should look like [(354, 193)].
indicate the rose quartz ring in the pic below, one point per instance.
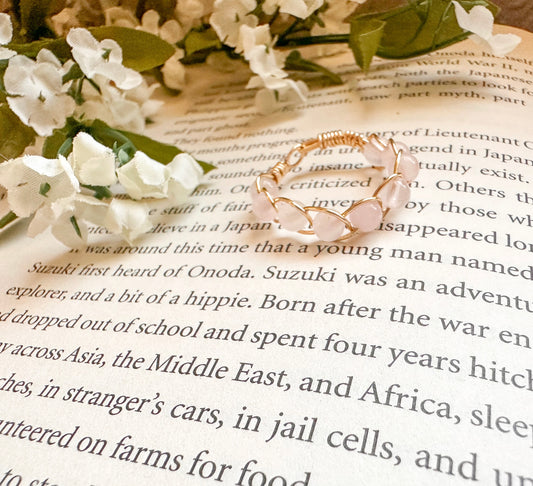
[(400, 168)]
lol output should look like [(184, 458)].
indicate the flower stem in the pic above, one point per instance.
[(314, 39), (8, 218)]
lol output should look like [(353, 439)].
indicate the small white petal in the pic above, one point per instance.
[(93, 163), (143, 177), (6, 28), (480, 21), (184, 175), (128, 218)]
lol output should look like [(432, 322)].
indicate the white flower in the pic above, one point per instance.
[(184, 174), (250, 37), (6, 33), (93, 163), (126, 110), (33, 182), (299, 8), (173, 71), (128, 218), (64, 21), (121, 17), (480, 21), (287, 92), (190, 13), (143, 177), (171, 31), (36, 92), (101, 58), (229, 15), (68, 218)]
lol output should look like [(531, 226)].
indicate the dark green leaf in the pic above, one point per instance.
[(141, 50), (73, 73), (58, 46), (58, 142), (417, 28), (296, 62), (8, 218), (15, 135), (365, 36), (201, 41), (44, 188), (100, 192), (75, 225)]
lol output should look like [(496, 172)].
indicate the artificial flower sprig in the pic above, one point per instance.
[(93, 169), (266, 33)]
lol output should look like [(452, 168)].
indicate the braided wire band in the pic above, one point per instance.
[(362, 216)]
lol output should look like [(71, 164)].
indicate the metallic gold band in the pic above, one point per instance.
[(362, 216)]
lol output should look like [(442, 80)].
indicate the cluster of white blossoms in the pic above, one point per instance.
[(66, 194), (55, 192)]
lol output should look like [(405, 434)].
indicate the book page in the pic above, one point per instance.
[(218, 349)]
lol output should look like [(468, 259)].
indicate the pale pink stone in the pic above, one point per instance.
[(327, 227), (389, 157), (270, 185), (366, 216), (291, 218), (262, 207), (395, 193), (408, 166), (372, 152)]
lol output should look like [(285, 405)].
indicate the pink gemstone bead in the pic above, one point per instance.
[(327, 227), (395, 194), (261, 205), (389, 157), (367, 216), (291, 218), (372, 151), (408, 166)]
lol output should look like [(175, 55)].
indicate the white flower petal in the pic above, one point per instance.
[(500, 44), (174, 72), (229, 15), (479, 20), (184, 175), (128, 218), (37, 94), (93, 163), (6, 53), (143, 177), (6, 28), (101, 58)]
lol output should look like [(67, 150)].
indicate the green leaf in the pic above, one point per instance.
[(75, 225), (58, 141), (199, 41), (141, 50), (100, 192), (73, 73), (296, 62), (159, 151), (365, 36), (162, 152), (44, 188), (58, 46), (414, 29), (15, 135)]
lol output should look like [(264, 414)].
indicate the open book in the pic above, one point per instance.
[(219, 349)]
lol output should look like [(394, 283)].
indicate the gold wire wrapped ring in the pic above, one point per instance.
[(365, 215)]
